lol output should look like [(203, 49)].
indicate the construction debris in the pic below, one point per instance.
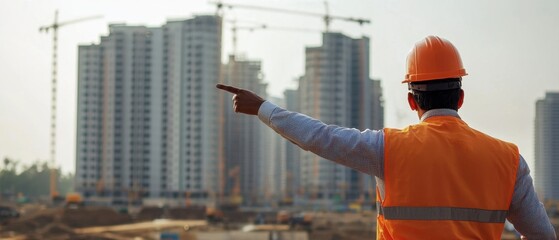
[(104, 223), (60, 223)]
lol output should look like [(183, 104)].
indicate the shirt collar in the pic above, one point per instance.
[(440, 112)]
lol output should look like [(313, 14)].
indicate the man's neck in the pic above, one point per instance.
[(420, 113), (439, 112)]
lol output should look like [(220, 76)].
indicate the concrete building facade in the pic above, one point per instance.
[(547, 146), (336, 89), (275, 164), (246, 146), (147, 113), (292, 176)]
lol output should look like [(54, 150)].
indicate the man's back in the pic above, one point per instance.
[(442, 174)]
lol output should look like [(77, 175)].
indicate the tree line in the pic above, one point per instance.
[(31, 181)]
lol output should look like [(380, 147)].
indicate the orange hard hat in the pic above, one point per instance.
[(433, 58)]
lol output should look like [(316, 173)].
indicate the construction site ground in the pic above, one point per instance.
[(39, 222)]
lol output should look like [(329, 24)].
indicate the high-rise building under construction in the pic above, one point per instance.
[(337, 89), (547, 146), (151, 125), (147, 113), (246, 149)]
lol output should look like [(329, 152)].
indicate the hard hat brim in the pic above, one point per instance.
[(424, 77)]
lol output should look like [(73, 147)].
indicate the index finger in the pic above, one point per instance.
[(228, 88)]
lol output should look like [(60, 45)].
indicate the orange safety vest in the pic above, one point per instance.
[(445, 180)]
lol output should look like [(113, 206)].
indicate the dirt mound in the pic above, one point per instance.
[(55, 229), (239, 217), (60, 222), (31, 223), (187, 213), (93, 216), (149, 213)]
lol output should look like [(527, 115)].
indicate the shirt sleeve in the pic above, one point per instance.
[(359, 150), (526, 212)]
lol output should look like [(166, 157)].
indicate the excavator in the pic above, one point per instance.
[(74, 201)]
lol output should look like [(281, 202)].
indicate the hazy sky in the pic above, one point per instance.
[(510, 49)]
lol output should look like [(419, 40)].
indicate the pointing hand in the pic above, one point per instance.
[(244, 101)]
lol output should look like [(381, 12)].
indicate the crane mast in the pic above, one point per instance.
[(54, 27)]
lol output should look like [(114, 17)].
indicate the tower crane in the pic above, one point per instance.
[(326, 16), (235, 29), (54, 27)]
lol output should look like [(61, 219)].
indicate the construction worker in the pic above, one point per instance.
[(438, 179)]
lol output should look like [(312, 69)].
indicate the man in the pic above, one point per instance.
[(438, 179)]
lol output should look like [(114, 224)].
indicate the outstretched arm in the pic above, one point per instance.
[(362, 151)]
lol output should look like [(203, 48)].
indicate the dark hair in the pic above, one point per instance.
[(428, 100)]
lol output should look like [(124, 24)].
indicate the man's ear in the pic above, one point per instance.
[(461, 99), (411, 102)]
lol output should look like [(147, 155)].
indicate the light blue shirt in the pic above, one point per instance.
[(364, 152)]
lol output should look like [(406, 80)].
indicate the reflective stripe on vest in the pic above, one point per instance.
[(442, 213)]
